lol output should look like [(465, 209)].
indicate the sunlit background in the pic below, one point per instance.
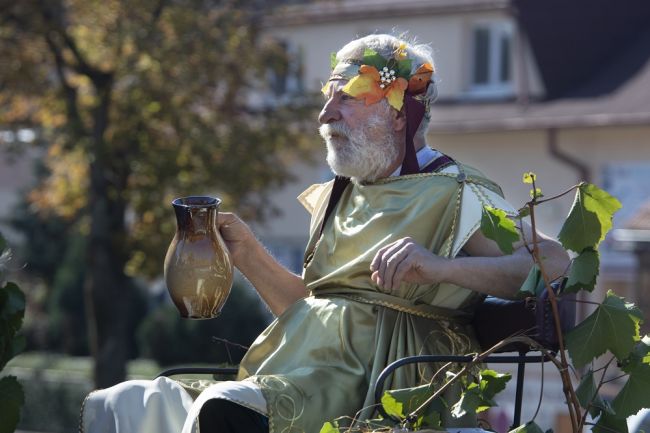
[(110, 109)]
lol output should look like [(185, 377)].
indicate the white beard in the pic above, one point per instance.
[(353, 153)]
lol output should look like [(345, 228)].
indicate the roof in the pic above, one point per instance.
[(606, 86), (349, 10), (574, 40), (629, 104)]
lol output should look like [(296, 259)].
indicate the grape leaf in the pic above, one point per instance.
[(413, 398), (634, 395), (479, 396), (584, 271), (529, 427), (589, 219), (392, 406), (534, 283), (588, 396), (496, 225), (610, 423), (12, 397), (614, 326), (328, 427)]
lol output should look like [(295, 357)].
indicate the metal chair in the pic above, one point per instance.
[(531, 317)]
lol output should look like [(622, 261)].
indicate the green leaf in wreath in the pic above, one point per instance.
[(373, 58), (529, 427), (496, 225), (610, 423), (534, 283), (404, 68), (333, 60), (635, 393), (12, 398), (392, 406), (614, 326), (584, 271), (588, 396), (589, 219), (3, 243), (479, 396)]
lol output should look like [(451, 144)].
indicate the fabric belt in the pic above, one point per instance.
[(395, 303)]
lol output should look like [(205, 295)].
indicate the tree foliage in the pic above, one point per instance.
[(12, 311), (139, 102), (612, 328)]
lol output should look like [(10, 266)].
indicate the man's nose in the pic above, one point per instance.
[(330, 112)]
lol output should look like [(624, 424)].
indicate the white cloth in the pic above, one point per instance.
[(425, 155), (159, 406)]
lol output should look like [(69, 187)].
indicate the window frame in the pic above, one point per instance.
[(494, 87)]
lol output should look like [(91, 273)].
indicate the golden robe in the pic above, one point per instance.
[(318, 360)]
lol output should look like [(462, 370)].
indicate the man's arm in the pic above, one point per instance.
[(486, 270), (278, 287)]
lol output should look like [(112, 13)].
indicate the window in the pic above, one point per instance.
[(491, 60), (286, 78)]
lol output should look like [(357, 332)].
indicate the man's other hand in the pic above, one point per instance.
[(406, 261)]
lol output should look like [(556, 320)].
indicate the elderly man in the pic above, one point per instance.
[(394, 267)]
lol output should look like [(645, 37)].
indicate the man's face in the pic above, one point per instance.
[(361, 140)]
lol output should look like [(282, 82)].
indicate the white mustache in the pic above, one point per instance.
[(332, 129)]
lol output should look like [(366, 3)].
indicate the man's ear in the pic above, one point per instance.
[(399, 122)]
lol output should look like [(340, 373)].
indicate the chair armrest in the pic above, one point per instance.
[(232, 371), (496, 319)]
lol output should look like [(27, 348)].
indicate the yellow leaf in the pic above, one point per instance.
[(529, 177), (359, 85), (395, 94)]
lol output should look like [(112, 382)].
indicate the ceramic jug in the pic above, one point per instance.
[(198, 267)]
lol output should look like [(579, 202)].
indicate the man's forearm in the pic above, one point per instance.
[(277, 286), (502, 276)]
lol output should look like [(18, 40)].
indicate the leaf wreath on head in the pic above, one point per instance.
[(380, 78)]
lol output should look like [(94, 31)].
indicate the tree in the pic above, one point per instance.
[(140, 102)]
